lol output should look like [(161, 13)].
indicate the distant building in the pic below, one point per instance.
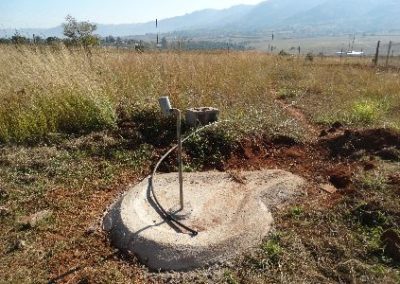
[(350, 53)]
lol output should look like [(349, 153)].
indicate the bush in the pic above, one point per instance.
[(310, 57), (29, 119), (366, 111), (210, 148), (283, 53)]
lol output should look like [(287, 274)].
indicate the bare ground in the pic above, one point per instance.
[(347, 235)]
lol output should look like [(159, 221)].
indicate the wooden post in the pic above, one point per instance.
[(388, 53), (377, 53)]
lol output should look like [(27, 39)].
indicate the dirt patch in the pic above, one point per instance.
[(340, 176), (310, 161), (384, 143)]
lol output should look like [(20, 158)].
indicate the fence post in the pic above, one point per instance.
[(377, 53), (388, 54)]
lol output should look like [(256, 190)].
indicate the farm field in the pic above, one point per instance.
[(76, 129)]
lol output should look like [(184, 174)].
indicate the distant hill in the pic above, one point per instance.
[(305, 16)]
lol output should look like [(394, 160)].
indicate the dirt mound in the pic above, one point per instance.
[(384, 143), (340, 177)]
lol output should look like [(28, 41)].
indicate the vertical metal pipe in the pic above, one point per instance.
[(178, 131)]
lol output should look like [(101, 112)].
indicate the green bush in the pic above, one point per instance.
[(28, 119), (367, 111), (210, 148)]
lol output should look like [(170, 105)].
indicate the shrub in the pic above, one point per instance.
[(283, 53), (29, 119), (210, 148), (309, 57), (366, 111)]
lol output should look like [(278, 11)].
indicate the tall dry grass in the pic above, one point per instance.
[(46, 90)]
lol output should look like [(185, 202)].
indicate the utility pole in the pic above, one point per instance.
[(157, 34)]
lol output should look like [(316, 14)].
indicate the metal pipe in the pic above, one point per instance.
[(180, 167)]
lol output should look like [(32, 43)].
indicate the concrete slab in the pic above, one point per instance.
[(230, 217)]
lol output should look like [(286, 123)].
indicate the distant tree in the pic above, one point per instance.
[(119, 42), (309, 57), (52, 40), (80, 32), (4, 40), (283, 53), (164, 43), (38, 39), (17, 38), (110, 39)]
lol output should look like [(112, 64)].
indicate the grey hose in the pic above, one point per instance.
[(165, 215)]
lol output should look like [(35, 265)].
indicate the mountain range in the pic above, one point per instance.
[(320, 17)]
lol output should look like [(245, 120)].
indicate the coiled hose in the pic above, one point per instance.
[(164, 214)]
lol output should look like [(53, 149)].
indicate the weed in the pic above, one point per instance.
[(375, 180), (229, 277), (296, 212), (288, 93), (272, 248), (368, 214), (374, 243), (366, 111), (210, 148)]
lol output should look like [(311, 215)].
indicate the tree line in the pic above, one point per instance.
[(75, 34), (82, 34)]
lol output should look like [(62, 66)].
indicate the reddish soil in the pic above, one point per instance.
[(310, 161), (328, 159), (381, 142)]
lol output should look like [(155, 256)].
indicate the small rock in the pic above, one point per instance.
[(328, 188), (17, 245), (4, 211), (90, 230), (34, 219), (20, 244)]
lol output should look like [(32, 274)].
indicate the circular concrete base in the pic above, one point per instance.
[(230, 216)]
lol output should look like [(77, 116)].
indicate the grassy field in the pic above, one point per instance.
[(76, 129)]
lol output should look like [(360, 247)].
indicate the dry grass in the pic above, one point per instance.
[(45, 90), (50, 91), (93, 127)]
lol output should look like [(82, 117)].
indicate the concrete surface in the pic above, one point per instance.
[(204, 115), (230, 216)]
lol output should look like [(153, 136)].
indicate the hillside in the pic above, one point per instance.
[(308, 16)]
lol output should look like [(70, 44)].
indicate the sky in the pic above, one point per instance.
[(50, 13)]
